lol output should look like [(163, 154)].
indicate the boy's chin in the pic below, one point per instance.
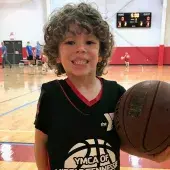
[(80, 73)]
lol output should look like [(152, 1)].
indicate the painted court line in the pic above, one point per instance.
[(17, 108), (16, 143), (18, 96)]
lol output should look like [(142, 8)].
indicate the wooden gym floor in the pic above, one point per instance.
[(19, 92)]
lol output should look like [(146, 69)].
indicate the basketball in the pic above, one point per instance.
[(122, 58), (142, 118)]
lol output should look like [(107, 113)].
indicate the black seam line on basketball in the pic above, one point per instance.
[(123, 116), (85, 147), (107, 152), (70, 100), (97, 151), (149, 120), (110, 116), (87, 154), (150, 110)]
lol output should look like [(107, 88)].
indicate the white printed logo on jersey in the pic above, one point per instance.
[(91, 155), (109, 117)]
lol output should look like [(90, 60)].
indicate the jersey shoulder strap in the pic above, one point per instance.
[(114, 93)]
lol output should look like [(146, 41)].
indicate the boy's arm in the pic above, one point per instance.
[(42, 121), (41, 156), (5, 50)]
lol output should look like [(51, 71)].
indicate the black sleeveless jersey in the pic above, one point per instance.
[(81, 135)]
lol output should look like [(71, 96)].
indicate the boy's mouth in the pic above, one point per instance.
[(80, 62)]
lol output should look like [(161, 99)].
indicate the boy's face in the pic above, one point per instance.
[(79, 52)]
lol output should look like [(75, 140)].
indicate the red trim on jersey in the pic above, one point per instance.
[(127, 58), (86, 101), (69, 98)]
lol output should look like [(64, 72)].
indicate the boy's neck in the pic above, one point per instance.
[(86, 82)]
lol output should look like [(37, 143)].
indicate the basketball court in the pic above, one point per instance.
[(19, 92)]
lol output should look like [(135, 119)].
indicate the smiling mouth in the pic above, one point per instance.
[(80, 62)]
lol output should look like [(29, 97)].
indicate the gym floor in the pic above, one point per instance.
[(19, 92)]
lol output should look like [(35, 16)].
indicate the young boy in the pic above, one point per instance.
[(126, 58), (74, 120), (29, 52), (4, 56), (37, 52)]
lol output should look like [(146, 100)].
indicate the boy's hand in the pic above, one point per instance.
[(163, 156)]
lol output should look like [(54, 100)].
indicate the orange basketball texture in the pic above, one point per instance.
[(142, 118)]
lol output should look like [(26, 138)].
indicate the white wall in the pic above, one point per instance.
[(26, 20), (167, 30), (128, 37)]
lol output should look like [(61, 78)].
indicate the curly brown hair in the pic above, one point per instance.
[(85, 16)]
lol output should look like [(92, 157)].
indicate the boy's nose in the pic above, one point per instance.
[(81, 48)]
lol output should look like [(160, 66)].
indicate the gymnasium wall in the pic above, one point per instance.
[(167, 28), (127, 37), (167, 38), (25, 19), (142, 44)]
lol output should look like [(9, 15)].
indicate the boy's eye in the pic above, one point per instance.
[(90, 42), (73, 42), (70, 42)]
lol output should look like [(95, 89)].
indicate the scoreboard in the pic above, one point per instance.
[(134, 20)]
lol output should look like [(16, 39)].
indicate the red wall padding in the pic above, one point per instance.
[(167, 55), (139, 55)]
